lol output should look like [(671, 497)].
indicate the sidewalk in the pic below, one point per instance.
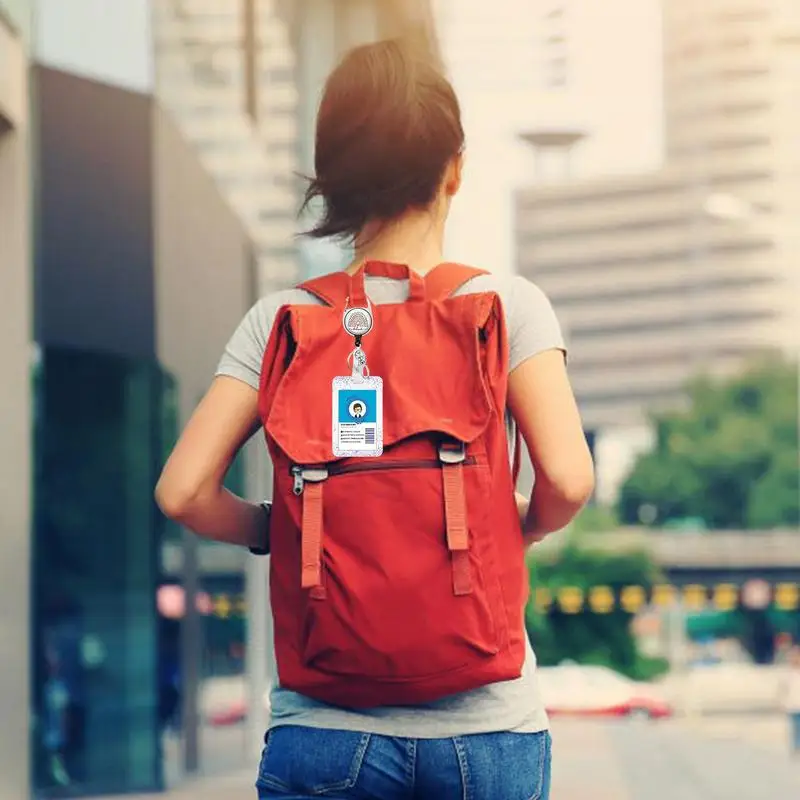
[(612, 760), (236, 786), (586, 764)]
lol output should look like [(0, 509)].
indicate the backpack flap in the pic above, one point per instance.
[(442, 364)]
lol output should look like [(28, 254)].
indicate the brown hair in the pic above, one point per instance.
[(388, 125)]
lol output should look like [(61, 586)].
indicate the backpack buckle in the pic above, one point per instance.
[(302, 475), (452, 452)]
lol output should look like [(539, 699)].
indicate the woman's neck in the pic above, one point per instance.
[(416, 240)]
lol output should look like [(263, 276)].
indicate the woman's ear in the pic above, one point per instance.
[(452, 175)]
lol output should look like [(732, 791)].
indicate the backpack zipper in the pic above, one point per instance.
[(317, 474)]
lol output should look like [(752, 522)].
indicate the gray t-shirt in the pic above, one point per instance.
[(508, 706)]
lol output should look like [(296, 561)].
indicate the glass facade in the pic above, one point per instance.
[(100, 427)]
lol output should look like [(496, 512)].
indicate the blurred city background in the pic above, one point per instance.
[(638, 159)]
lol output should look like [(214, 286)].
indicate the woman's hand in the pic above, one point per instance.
[(523, 506), (190, 489)]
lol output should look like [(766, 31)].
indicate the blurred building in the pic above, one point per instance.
[(226, 74), (596, 75), (15, 399), (550, 66), (694, 266), (147, 197), (106, 216), (243, 80)]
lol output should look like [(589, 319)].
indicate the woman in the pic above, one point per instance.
[(388, 163)]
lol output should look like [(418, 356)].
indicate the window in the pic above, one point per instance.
[(672, 290), (743, 15), (582, 265), (724, 144), (99, 441), (556, 73), (554, 48), (279, 75), (710, 317), (734, 109), (739, 73), (735, 43)]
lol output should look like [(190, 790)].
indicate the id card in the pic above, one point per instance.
[(357, 416)]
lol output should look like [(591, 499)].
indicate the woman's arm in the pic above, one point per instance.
[(190, 489), (541, 400)]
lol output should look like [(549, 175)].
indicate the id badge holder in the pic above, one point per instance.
[(357, 399), (357, 404)]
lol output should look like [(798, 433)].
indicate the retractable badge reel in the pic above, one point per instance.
[(357, 400)]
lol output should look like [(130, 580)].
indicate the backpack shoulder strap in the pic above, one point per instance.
[(516, 465), (443, 281), (332, 289)]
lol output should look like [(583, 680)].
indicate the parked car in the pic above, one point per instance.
[(587, 690), (224, 701)]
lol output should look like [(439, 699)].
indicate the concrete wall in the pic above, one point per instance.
[(203, 271), (320, 39), (94, 281), (13, 87), (205, 282), (499, 57), (648, 287), (323, 30), (137, 255), (15, 417)]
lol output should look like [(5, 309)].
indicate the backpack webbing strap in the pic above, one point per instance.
[(332, 289), (441, 282), (455, 515), (444, 280), (311, 540), (456, 522)]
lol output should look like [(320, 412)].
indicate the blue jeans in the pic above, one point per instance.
[(300, 763)]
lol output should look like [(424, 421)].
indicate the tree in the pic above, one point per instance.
[(586, 636), (730, 459)]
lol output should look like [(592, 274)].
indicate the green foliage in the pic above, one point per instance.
[(649, 668), (594, 519), (730, 460), (587, 637)]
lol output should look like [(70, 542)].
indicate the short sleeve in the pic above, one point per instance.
[(245, 350), (532, 323)]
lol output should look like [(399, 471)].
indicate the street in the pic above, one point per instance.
[(727, 757), (633, 760)]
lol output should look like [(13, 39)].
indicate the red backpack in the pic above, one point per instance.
[(400, 579)]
